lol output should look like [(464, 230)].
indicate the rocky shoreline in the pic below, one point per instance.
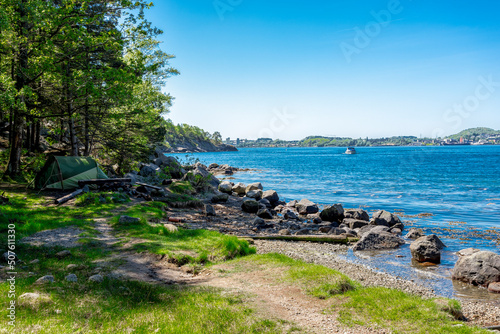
[(250, 211)]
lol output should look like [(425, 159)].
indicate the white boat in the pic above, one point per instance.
[(350, 150)]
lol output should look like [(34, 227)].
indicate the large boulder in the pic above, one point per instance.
[(219, 198), (369, 228), (271, 196), (254, 186), (240, 189), (385, 218), (358, 214), (427, 249), (332, 213), (479, 268), (201, 170), (305, 207), (170, 165), (378, 240), (226, 187), (250, 206)]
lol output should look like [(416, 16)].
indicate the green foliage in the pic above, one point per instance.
[(474, 134), (183, 134), (397, 311), (182, 187), (98, 198)]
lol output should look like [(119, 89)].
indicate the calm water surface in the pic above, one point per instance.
[(458, 185)]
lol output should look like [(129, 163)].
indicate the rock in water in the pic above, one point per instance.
[(378, 240), (427, 249), (414, 233), (358, 214), (354, 223), (305, 207), (385, 218), (250, 206), (332, 213), (479, 268)]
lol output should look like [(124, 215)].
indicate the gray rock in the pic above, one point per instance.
[(128, 220), (284, 231), (240, 189), (71, 278), (354, 223), (467, 251), (479, 268), (96, 278), (86, 188), (494, 287), (63, 254), (291, 204), (325, 229), (358, 214), (290, 215), (209, 210), (368, 228), (265, 214), (149, 170), (396, 231), (378, 240), (427, 249), (266, 203), (385, 218), (171, 165), (213, 166), (250, 206), (226, 187), (271, 196), (45, 279), (35, 261), (254, 186), (333, 213), (71, 266), (256, 194), (305, 207), (414, 233), (220, 198)]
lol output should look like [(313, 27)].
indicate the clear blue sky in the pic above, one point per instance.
[(290, 69)]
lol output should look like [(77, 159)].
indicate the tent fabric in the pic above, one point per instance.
[(65, 172)]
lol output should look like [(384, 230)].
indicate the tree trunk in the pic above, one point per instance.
[(86, 152), (28, 137), (74, 144), (16, 145), (37, 136)]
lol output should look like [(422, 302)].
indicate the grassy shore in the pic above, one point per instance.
[(124, 306)]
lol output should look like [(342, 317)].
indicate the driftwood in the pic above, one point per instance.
[(66, 198), (334, 239), (82, 183), (148, 186)]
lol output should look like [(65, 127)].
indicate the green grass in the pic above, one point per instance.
[(98, 198), (318, 281), (184, 246), (399, 312), (116, 306), (32, 213)]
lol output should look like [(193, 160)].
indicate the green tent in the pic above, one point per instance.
[(65, 172)]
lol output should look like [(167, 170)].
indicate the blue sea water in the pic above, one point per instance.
[(457, 188)]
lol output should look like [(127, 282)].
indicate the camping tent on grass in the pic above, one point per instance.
[(65, 172)]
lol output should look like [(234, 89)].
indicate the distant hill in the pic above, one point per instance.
[(474, 134)]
